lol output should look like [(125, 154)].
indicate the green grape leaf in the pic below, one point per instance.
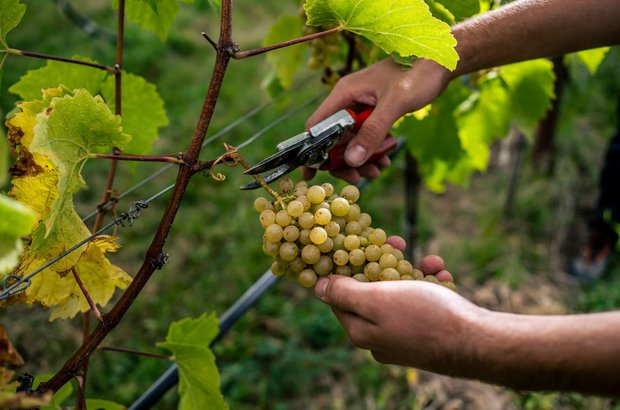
[(531, 87), (199, 380), (55, 73), (406, 27), (11, 13), (481, 119), (16, 221), (53, 138), (143, 111), (440, 12), (154, 4), (61, 395), (155, 16), (287, 60), (461, 9), (591, 59), (434, 139)]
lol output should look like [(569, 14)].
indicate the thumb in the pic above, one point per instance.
[(343, 293), (368, 138)]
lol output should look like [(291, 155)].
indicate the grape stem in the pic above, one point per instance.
[(61, 59), (148, 158), (91, 302), (250, 53), (232, 158), (136, 352)]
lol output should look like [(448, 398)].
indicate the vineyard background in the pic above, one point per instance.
[(289, 351)]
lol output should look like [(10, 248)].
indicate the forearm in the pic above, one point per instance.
[(570, 353), (528, 29)]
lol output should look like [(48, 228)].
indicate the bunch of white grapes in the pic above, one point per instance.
[(319, 232)]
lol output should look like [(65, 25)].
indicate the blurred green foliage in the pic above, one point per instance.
[(288, 352)]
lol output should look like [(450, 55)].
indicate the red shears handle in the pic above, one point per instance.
[(336, 154), (359, 117)]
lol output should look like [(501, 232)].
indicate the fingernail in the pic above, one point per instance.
[(355, 155), (319, 288)]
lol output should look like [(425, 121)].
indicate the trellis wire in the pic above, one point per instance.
[(124, 219), (245, 117), (170, 377), (22, 283)]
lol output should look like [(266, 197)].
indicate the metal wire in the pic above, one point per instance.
[(127, 218), (245, 117), (124, 219)]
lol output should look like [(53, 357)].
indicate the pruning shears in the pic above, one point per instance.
[(317, 148)]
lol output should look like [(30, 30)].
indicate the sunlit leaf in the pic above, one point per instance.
[(406, 27), (153, 15), (287, 60), (461, 9), (16, 221), (530, 84), (440, 11), (482, 119), (55, 73), (143, 112), (11, 13), (591, 59), (199, 380)]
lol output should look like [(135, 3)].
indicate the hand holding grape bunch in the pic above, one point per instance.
[(313, 232)]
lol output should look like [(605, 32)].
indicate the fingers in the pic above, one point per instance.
[(342, 96), (307, 173), (431, 264), (434, 265), (358, 328), (397, 242)]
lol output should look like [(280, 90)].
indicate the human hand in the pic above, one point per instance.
[(411, 323), (393, 92)]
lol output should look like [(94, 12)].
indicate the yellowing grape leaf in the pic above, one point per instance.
[(99, 276), (199, 380), (286, 61), (143, 111), (55, 73), (11, 13), (406, 27), (53, 138), (67, 132)]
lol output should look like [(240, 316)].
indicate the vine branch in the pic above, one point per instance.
[(155, 251), (135, 352), (58, 58), (250, 53)]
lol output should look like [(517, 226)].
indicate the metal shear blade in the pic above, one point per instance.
[(279, 172)]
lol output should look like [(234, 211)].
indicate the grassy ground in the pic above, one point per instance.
[(289, 352)]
